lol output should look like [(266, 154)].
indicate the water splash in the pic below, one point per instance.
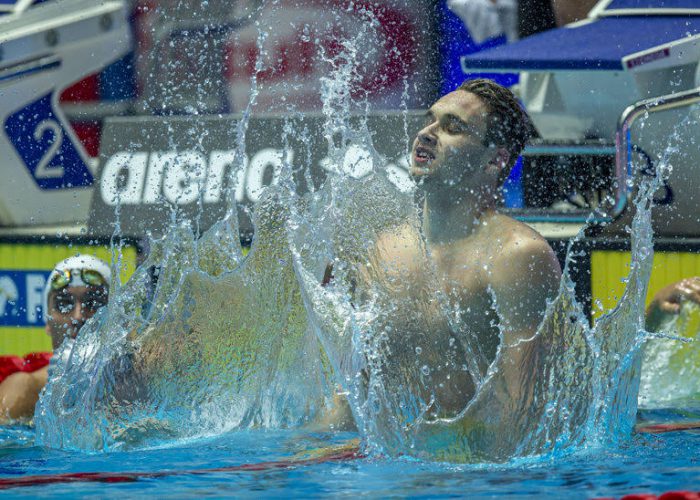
[(670, 368), (224, 341), (221, 343), (578, 386)]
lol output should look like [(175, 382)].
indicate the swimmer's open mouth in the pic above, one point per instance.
[(423, 154)]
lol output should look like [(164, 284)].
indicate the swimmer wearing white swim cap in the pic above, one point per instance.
[(76, 289)]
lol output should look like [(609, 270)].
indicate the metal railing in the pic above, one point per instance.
[(623, 143)]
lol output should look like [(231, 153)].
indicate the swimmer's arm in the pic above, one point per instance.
[(523, 280), (336, 416), (19, 394)]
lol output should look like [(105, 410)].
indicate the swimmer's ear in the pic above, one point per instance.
[(499, 161)]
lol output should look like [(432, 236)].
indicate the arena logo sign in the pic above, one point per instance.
[(188, 176)]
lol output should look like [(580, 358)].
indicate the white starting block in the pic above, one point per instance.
[(47, 177), (577, 80)]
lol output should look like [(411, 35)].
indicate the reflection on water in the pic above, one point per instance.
[(644, 464)]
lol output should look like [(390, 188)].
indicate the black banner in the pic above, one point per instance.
[(152, 168)]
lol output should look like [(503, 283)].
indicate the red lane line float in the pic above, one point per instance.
[(661, 428), (336, 455), (669, 495)]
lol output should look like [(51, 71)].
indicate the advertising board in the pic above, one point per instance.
[(155, 169), (209, 57)]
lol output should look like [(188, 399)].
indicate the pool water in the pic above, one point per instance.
[(644, 463)]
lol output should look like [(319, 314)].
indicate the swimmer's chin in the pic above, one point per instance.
[(417, 172), (418, 178)]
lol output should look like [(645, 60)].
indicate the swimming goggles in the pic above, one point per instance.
[(88, 277)]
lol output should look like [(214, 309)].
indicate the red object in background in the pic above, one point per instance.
[(86, 91), (89, 134), (30, 363), (390, 65), (295, 52)]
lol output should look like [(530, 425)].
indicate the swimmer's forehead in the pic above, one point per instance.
[(461, 106)]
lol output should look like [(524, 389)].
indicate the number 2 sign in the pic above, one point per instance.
[(46, 148)]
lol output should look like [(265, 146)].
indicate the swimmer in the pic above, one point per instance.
[(498, 272), (471, 140), (75, 290), (667, 301)]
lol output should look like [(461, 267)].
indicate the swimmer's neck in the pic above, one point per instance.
[(450, 217)]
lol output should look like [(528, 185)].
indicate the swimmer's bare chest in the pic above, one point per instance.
[(464, 272)]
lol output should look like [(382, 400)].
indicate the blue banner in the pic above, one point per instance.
[(22, 297)]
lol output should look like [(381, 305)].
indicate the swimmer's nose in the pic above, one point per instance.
[(427, 136), (77, 318)]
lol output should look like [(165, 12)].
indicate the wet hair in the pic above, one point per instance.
[(510, 126)]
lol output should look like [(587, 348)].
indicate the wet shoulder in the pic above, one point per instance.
[(518, 246), (512, 235)]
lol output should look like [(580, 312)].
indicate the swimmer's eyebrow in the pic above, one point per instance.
[(452, 118), (449, 117)]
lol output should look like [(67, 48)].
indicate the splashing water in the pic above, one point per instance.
[(217, 346), (224, 341), (584, 390), (670, 367)]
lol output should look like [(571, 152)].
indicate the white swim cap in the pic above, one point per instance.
[(76, 263)]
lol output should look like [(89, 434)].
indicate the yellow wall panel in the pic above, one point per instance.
[(609, 268)]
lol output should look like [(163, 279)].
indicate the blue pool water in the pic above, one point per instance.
[(645, 463)]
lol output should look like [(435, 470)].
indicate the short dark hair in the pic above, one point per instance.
[(510, 126)]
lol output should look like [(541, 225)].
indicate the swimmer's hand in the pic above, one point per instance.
[(668, 301), (136, 432)]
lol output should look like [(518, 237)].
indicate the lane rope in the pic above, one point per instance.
[(339, 454), (662, 428)]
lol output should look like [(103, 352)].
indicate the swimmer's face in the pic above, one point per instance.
[(69, 308), (452, 143)]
